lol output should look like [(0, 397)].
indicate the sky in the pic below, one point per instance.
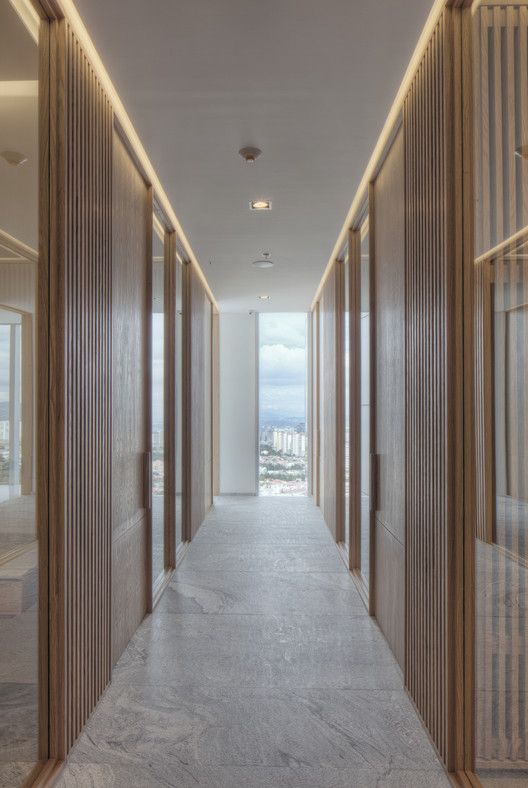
[(282, 340)]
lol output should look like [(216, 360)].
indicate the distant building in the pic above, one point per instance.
[(289, 441)]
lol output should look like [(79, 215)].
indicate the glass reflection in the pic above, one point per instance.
[(500, 34), (346, 346), (158, 404), (365, 403), (178, 363), (18, 273)]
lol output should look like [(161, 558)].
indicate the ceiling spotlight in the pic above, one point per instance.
[(260, 205), (250, 154), (265, 262), (13, 157), (264, 297), (522, 151)]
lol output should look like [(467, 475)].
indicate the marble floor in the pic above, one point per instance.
[(259, 668)]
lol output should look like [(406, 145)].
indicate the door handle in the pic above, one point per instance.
[(374, 482), (148, 480)]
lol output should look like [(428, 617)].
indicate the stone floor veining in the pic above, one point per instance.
[(259, 668)]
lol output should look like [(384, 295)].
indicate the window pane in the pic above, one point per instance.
[(18, 438), (365, 404), (282, 404), (158, 409), (500, 36)]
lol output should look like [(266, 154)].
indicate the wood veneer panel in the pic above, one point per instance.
[(131, 370), (434, 374), (197, 409), (80, 379), (331, 421), (388, 234)]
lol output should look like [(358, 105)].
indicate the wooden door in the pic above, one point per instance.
[(131, 296), (388, 505)]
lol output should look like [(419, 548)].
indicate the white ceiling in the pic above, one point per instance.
[(310, 82), (18, 128)]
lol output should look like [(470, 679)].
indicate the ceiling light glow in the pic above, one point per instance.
[(260, 205), (264, 297)]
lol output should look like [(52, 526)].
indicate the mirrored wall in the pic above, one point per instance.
[(19, 537)]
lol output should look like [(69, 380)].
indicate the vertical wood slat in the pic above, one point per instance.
[(434, 396), (80, 380)]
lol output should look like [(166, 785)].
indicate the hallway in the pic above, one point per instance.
[(259, 667)]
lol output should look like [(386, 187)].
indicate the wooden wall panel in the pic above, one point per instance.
[(131, 299), (197, 411), (388, 272), (331, 422), (80, 380), (434, 375)]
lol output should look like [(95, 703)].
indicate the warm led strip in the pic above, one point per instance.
[(384, 137), (28, 15), (72, 15)]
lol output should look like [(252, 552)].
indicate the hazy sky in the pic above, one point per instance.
[(282, 339)]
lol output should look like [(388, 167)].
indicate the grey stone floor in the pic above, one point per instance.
[(259, 668)]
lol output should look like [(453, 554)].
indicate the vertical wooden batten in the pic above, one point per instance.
[(80, 389), (434, 393)]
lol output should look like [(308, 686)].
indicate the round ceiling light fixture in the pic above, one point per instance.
[(264, 261), (14, 157), (250, 154), (264, 297)]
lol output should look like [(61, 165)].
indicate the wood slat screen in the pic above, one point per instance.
[(197, 392), (434, 524), (80, 379)]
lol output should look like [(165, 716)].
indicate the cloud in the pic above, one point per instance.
[(288, 329), (282, 366)]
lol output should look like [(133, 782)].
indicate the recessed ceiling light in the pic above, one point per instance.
[(264, 262), (260, 205), (13, 157), (264, 297), (250, 154)]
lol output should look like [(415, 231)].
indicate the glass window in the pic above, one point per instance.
[(346, 370), (500, 36), (365, 403), (283, 456), (178, 363), (158, 403), (19, 545)]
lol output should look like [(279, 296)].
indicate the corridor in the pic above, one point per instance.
[(259, 667)]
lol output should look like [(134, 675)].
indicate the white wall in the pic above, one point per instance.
[(238, 403)]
